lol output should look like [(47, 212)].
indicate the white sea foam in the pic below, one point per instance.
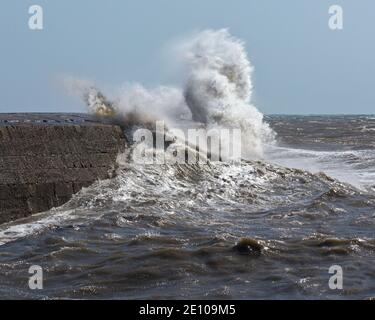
[(37, 223), (355, 166)]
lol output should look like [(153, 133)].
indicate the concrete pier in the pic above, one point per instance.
[(46, 158)]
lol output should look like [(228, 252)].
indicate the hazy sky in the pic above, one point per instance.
[(301, 66)]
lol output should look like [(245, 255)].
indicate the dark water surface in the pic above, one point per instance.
[(171, 231)]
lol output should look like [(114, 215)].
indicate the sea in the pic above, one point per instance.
[(277, 227)]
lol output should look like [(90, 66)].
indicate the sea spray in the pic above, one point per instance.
[(216, 94), (218, 87)]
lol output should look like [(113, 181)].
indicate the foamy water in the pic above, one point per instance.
[(170, 231)]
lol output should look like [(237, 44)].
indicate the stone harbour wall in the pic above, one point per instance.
[(45, 160)]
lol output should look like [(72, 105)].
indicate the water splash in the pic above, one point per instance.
[(216, 93)]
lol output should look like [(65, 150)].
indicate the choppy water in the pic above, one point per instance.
[(171, 231)]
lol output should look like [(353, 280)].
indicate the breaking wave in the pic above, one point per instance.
[(184, 230), (216, 94)]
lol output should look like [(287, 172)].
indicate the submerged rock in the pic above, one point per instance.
[(248, 246)]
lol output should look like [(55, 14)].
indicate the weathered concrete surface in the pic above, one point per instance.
[(46, 158)]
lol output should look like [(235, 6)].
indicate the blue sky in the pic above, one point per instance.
[(301, 66)]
